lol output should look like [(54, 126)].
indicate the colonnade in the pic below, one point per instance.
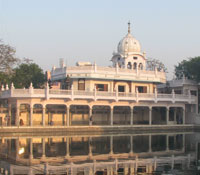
[(116, 115)]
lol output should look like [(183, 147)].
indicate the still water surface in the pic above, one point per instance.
[(163, 153)]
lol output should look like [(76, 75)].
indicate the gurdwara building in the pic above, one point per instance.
[(122, 94)]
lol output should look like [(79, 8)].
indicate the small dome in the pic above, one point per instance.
[(128, 44)]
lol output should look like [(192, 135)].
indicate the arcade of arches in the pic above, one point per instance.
[(79, 115)]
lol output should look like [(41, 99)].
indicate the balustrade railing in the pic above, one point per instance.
[(38, 91), (146, 95), (86, 93), (105, 94), (59, 92), (109, 71), (95, 95), (164, 96), (20, 91)]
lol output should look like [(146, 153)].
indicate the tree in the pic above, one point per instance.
[(27, 73), (4, 79), (154, 63), (7, 58), (189, 68)]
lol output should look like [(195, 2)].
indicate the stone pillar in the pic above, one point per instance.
[(111, 87), (67, 148), (125, 170), (155, 163), (17, 148), (172, 163), (116, 165), (31, 149), (132, 169), (90, 116), (131, 144), (147, 168), (90, 171), (9, 114), (43, 148), (94, 166), (150, 143), (11, 170), (17, 115), (183, 116), (167, 142), (136, 163), (68, 119), (43, 116), (167, 115), (111, 145), (30, 171), (46, 168), (111, 116), (111, 171), (188, 161), (150, 115), (131, 115), (31, 116), (183, 149), (90, 147)]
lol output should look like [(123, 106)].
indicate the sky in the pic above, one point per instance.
[(89, 30)]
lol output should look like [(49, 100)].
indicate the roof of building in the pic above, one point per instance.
[(128, 44)]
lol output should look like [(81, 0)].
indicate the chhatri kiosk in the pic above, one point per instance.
[(122, 94)]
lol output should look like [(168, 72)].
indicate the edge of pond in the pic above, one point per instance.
[(95, 130)]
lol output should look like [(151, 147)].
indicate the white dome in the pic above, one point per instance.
[(128, 44)]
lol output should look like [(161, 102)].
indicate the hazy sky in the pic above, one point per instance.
[(89, 30)]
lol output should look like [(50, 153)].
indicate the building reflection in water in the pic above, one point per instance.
[(109, 154)]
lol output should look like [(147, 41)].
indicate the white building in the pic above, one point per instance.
[(124, 94)]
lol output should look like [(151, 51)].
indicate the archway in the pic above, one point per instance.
[(135, 65), (24, 115), (159, 115), (79, 115), (121, 115), (37, 114), (101, 115), (129, 66), (141, 115), (56, 115), (140, 66)]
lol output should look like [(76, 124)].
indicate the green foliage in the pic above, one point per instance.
[(189, 68), (4, 79), (22, 75), (26, 73)]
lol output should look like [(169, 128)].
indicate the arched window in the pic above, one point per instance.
[(141, 66), (135, 66), (129, 66)]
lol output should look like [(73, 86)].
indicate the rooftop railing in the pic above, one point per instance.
[(108, 72), (95, 95)]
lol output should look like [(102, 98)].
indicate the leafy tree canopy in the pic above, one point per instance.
[(154, 63), (7, 58), (189, 68), (27, 73)]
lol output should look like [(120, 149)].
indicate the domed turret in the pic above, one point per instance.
[(128, 44), (129, 55)]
